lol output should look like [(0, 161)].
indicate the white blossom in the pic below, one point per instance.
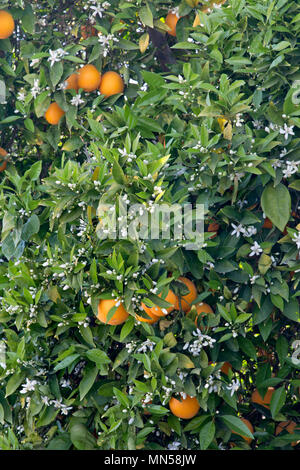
[(296, 239), (238, 229), (77, 100), (234, 386), (286, 131), (29, 386), (255, 249)]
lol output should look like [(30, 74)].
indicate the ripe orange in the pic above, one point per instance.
[(7, 24), (267, 223), (158, 311), (120, 315), (213, 227), (72, 82), (153, 318), (264, 401), (249, 426), (288, 426), (54, 113), (171, 21), (87, 31), (184, 408), (187, 299), (202, 307), (89, 78), (3, 154), (111, 84), (226, 367)]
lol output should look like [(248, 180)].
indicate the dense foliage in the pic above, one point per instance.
[(210, 116)]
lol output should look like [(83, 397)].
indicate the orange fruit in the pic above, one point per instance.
[(184, 408), (153, 318), (111, 84), (264, 401), (54, 113), (7, 24), (72, 82), (288, 426), (158, 311), (201, 308), (226, 367), (249, 426), (119, 317), (89, 78), (267, 223), (171, 21), (186, 300), (213, 227), (3, 162), (87, 31)]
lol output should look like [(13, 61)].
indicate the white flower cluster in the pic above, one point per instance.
[(213, 383), (105, 42), (174, 445), (245, 231), (201, 342), (291, 169), (146, 345), (296, 239), (130, 156), (56, 56), (285, 130), (64, 409), (130, 346), (29, 386), (234, 386)]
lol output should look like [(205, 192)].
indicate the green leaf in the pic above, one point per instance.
[(295, 185), (97, 356), (28, 20), (127, 328), (158, 410), (236, 424), (247, 347), (47, 416), (184, 362), (170, 340), (276, 204), (56, 72), (14, 382), (282, 347), (31, 227), (264, 263), (291, 310), (146, 16), (81, 438), (277, 401), (66, 362), (207, 434), (118, 173), (74, 143), (88, 381), (123, 399), (41, 103)]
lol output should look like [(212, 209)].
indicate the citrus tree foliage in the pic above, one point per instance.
[(208, 116)]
